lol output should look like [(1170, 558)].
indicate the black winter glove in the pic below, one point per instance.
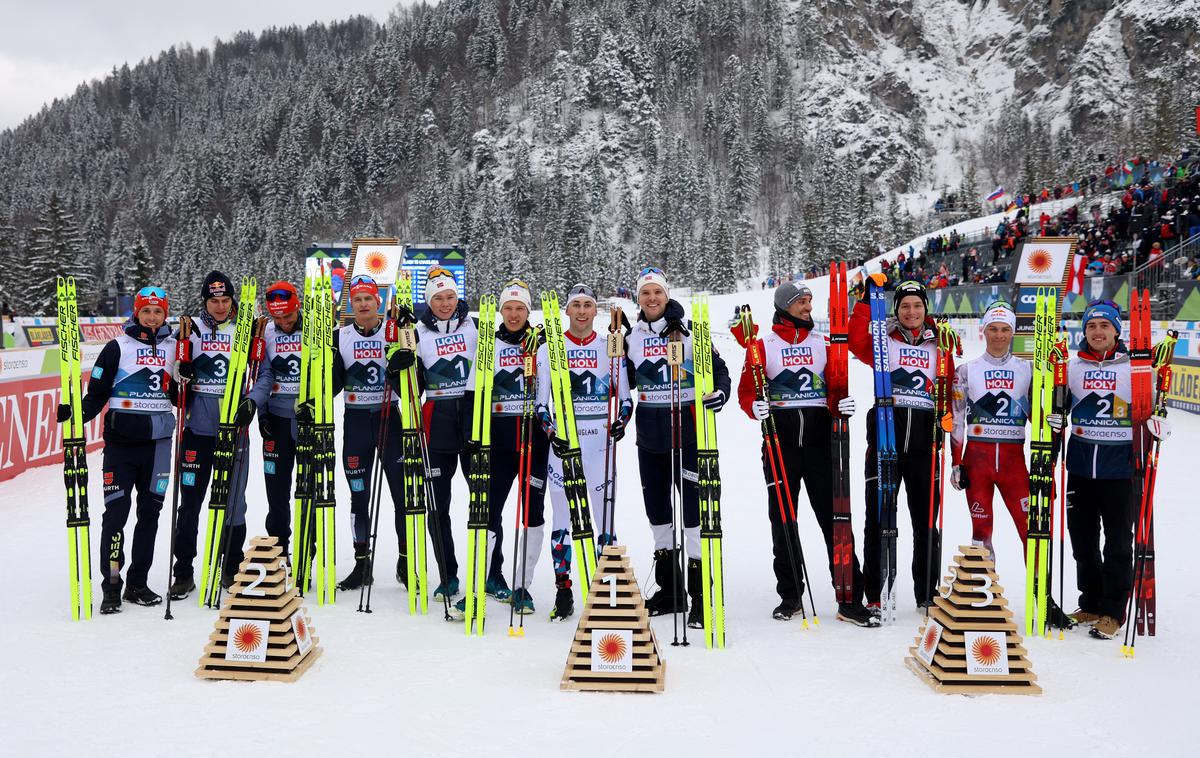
[(186, 371), (560, 445), (714, 401), (404, 316), (304, 412), (675, 326), (400, 360), (64, 413), (245, 412), (616, 430)]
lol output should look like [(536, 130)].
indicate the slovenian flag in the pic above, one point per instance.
[(996, 194)]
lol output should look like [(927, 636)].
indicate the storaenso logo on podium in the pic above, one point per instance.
[(1045, 262)]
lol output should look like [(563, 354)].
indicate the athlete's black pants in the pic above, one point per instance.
[(913, 470), (1104, 578), (360, 435), (195, 470), (279, 465), (146, 466), (657, 475), (442, 466), (813, 466), (505, 466)]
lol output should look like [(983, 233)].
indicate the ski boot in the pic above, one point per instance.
[(181, 587), (522, 602), (1056, 618), (361, 575), (787, 608), (670, 597), (112, 600), (498, 588), (441, 592), (402, 570), (564, 600), (1106, 628), (142, 595), (858, 615)]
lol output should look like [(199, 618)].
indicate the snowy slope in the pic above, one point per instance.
[(392, 684)]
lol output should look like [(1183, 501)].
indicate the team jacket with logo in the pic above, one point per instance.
[(590, 378), (509, 384), (1101, 443), (795, 368), (278, 383), (132, 375), (912, 363), (446, 374), (991, 400), (361, 366), (210, 356), (646, 356)]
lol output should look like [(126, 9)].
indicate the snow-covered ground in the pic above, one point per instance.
[(389, 683)]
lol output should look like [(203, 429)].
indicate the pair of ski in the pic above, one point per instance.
[(313, 513), (229, 470), (418, 484), (75, 467), (1048, 395), (712, 580), (1150, 371), (479, 476)]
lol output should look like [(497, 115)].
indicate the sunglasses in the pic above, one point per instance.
[(361, 279), (582, 289), (652, 270), (438, 271), (152, 292), (516, 283), (278, 296)]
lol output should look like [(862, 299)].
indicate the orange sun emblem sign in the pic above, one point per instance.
[(247, 638), (930, 638), (301, 629), (1039, 261), (986, 650), (376, 262), (612, 648)]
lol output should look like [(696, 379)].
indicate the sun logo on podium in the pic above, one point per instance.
[(1039, 261), (247, 638), (986, 650), (930, 639), (612, 648), (376, 262), (301, 629)]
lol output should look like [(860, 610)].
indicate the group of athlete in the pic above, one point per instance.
[(139, 379)]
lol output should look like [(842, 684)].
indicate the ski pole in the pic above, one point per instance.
[(183, 352)]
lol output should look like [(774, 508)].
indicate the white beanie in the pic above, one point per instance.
[(516, 290), (439, 280), (653, 276), (1000, 312)]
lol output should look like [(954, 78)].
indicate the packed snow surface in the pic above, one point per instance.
[(389, 683)]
